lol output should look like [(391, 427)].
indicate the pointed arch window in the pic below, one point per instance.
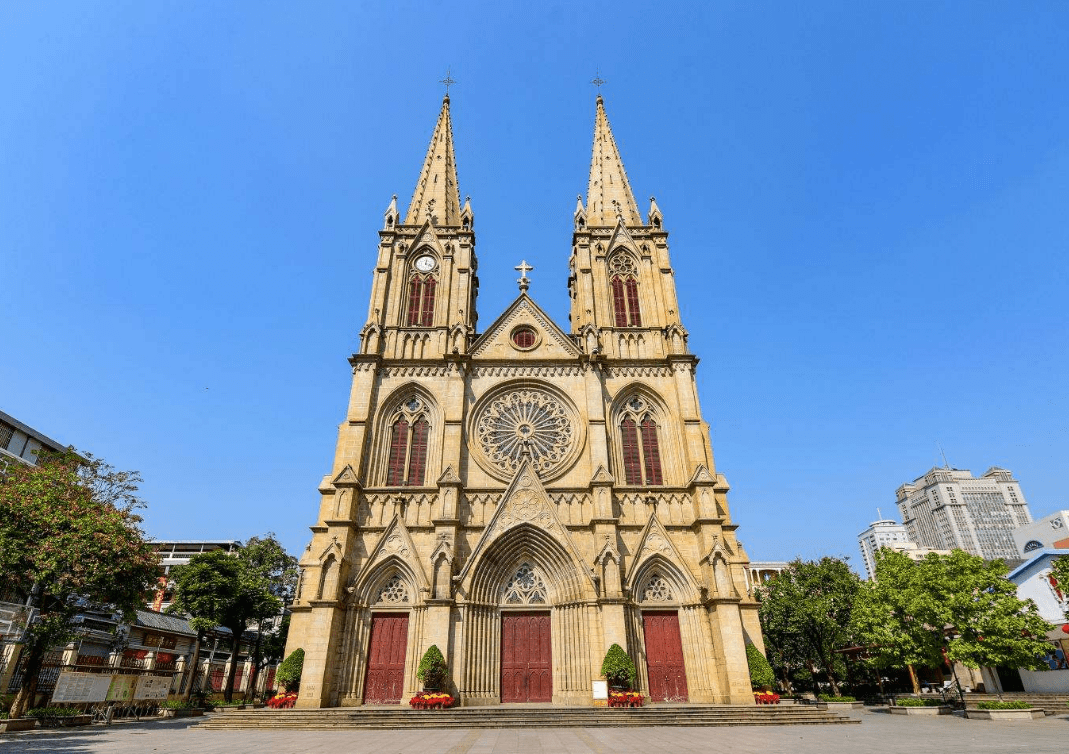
[(639, 445), (421, 290), (409, 433), (623, 279), (526, 587)]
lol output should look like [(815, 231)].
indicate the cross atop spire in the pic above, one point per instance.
[(608, 195), (437, 196), (525, 282), (448, 80), (598, 81)]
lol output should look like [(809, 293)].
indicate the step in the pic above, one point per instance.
[(547, 717)]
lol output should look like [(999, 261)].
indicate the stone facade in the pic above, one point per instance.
[(524, 470)]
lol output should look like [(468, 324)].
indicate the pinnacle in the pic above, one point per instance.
[(437, 195), (609, 196)]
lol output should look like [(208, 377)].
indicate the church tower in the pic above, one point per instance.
[(526, 496)]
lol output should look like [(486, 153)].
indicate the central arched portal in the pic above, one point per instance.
[(526, 657), (526, 642)]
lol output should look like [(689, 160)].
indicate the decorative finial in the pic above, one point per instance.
[(448, 80), (598, 81), (523, 268)]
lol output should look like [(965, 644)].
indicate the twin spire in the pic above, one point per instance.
[(437, 195)]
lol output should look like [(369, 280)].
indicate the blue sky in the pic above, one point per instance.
[(867, 207)]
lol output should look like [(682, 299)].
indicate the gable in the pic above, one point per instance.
[(549, 341)]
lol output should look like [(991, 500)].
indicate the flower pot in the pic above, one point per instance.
[(15, 724)]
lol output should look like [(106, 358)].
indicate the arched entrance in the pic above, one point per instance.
[(526, 643)]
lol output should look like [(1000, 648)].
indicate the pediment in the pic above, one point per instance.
[(346, 478), (426, 238), (655, 543), (701, 476), (621, 237), (525, 502), (395, 543), (602, 476), (550, 341)]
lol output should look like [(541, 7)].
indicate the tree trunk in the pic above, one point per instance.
[(787, 682), (813, 677), (194, 666), (913, 679), (24, 699), (831, 675), (235, 644), (254, 673)]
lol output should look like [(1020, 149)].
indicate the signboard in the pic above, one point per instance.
[(81, 687), (152, 687), (122, 688), (600, 691)]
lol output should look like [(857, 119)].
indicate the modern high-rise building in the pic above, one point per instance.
[(950, 509), (882, 533)]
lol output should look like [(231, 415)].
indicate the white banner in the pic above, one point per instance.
[(81, 687), (152, 687)]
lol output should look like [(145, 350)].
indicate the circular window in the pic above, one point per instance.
[(524, 337), (531, 421), (1033, 545)]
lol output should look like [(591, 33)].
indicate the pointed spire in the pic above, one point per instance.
[(437, 196), (608, 195)]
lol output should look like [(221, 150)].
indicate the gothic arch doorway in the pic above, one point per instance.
[(526, 643)]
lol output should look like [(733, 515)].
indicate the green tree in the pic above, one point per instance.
[(1059, 574), (805, 612), (897, 618), (432, 668), (217, 589), (267, 557), (289, 672), (957, 604), (68, 536), (618, 667), (761, 675)]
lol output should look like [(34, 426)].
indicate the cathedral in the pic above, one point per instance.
[(526, 496)]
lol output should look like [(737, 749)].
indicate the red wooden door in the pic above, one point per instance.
[(526, 658), (664, 657), (386, 659)]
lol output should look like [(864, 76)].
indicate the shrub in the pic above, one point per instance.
[(1004, 705), (3, 716), (826, 698), (911, 701), (177, 704), (761, 675), (432, 668), (618, 668), (289, 672), (47, 712)]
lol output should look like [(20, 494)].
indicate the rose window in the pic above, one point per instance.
[(393, 592), (525, 588), (523, 422), (657, 590)]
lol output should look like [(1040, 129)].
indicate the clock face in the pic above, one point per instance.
[(425, 263)]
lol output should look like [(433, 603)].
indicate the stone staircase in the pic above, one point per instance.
[(525, 717), (1052, 704)]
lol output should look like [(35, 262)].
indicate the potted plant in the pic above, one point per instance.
[(432, 669), (289, 672), (618, 669), (14, 724)]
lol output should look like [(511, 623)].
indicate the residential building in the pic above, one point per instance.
[(178, 552), (949, 509), (883, 533), (526, 496), (20, 442), (1049, 531)]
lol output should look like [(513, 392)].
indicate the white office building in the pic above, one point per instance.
[(882, 533), (950, 509)]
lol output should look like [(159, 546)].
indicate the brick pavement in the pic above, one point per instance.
[(879, 732)]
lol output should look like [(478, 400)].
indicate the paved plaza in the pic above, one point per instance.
[(878, 732)]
